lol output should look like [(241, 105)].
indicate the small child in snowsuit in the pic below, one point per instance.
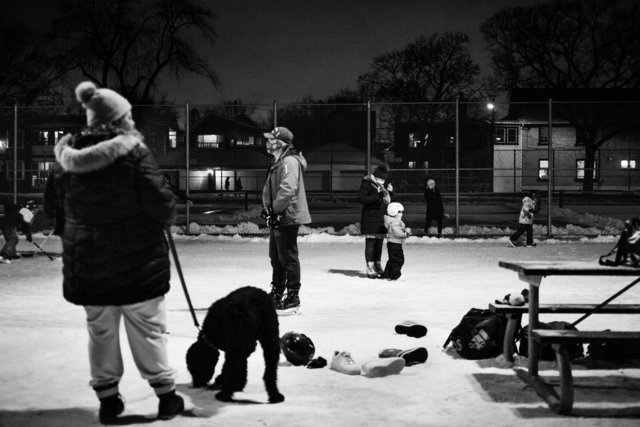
[(525, 221), (396, 234), (11, 222)]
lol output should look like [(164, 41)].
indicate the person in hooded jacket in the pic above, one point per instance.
[(112, 206), (375, 196), (397, 234), (435, 209), (525, 221), (285, 209)]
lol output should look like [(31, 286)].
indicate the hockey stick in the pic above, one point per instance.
[(174, 252), (43, 251)]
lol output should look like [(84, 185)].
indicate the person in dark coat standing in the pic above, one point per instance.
[(375, 196), (115, 204), (435, 209)]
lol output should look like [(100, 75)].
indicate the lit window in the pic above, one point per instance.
[(452, 140), (506, 135), (173, 139), (580, 169), (628, 164), (543, 169), (43, 137), (412, 164), (57, 134), (414, 140), (210, 141), (245, 141)]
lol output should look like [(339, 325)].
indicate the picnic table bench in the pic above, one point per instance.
[(532, 273)]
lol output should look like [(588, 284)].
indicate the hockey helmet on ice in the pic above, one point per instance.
[(297, 348), (394, 208)]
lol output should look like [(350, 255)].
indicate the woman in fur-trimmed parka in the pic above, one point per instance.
[(115, 205), (374, 195)]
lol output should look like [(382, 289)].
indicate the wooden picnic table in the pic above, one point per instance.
[(532, 273)]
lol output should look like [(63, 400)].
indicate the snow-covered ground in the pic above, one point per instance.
[(44, 370)]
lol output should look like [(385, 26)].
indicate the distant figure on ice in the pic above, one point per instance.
[(285, 209), (435, 209), (530, 206), (396, 235), (374, 196), (238, 184), (116, 207), (11, 222), (227, 183)]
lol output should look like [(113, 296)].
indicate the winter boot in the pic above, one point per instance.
[(342, 362), (371, 270), (170, 405), (290, 304), (110, 408), (377, 368), (276, 294), (411, 329), (378, 267)]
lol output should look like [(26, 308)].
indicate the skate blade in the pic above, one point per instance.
[(289, 312)]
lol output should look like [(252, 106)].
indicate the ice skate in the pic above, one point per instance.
[(110, 408), (4, 260), (513, 244), (276, 294), (371, 271), (290, 305)]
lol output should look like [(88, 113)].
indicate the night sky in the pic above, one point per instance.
[(286, 49)]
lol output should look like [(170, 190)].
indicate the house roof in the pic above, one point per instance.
[(216, 121), (533, 104)]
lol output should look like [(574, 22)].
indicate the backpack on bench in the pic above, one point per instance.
[(479, 335)]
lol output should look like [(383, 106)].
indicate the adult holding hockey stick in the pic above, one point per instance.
[(114, 205)]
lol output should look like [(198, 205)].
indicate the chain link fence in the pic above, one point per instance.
[(483, 157)]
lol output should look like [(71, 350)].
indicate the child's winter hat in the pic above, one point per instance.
[(394, 208), (103, 105), (382, 171)]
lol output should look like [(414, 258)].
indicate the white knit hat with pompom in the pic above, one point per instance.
[(103, 105)]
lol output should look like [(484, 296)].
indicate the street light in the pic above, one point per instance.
[(492, 108)]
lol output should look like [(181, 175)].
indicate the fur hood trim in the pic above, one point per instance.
[(93, 157)]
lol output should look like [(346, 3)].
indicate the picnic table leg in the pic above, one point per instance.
[(534, 284), (566, 379)]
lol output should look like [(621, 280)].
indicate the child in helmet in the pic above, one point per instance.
[(397, 232)]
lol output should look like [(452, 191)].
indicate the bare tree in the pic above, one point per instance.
[(25, 75), (128, 45), (567, 45)]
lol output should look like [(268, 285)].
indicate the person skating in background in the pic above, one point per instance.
[(396, 235), (227, 183), (115, 206), (374, 196), (435, 209), (12, 221), (285, 209), (530, 206)]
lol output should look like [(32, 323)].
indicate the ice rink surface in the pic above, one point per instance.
[(44, 371)]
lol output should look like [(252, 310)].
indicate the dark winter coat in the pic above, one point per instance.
[(12, 219), (284, 191), (115, 206), (432, 198), (374, 199)]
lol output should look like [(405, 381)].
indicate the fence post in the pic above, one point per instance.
[(458, 167), (15, 153), (275, 114), (187, 170), (367, 162), (551, 166)]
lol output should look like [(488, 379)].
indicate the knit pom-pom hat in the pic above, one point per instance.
[(382, 171), (103, 105)]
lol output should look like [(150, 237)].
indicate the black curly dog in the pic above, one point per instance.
[(233, 324)]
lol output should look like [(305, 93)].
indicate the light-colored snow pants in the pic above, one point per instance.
[(145, 324)]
